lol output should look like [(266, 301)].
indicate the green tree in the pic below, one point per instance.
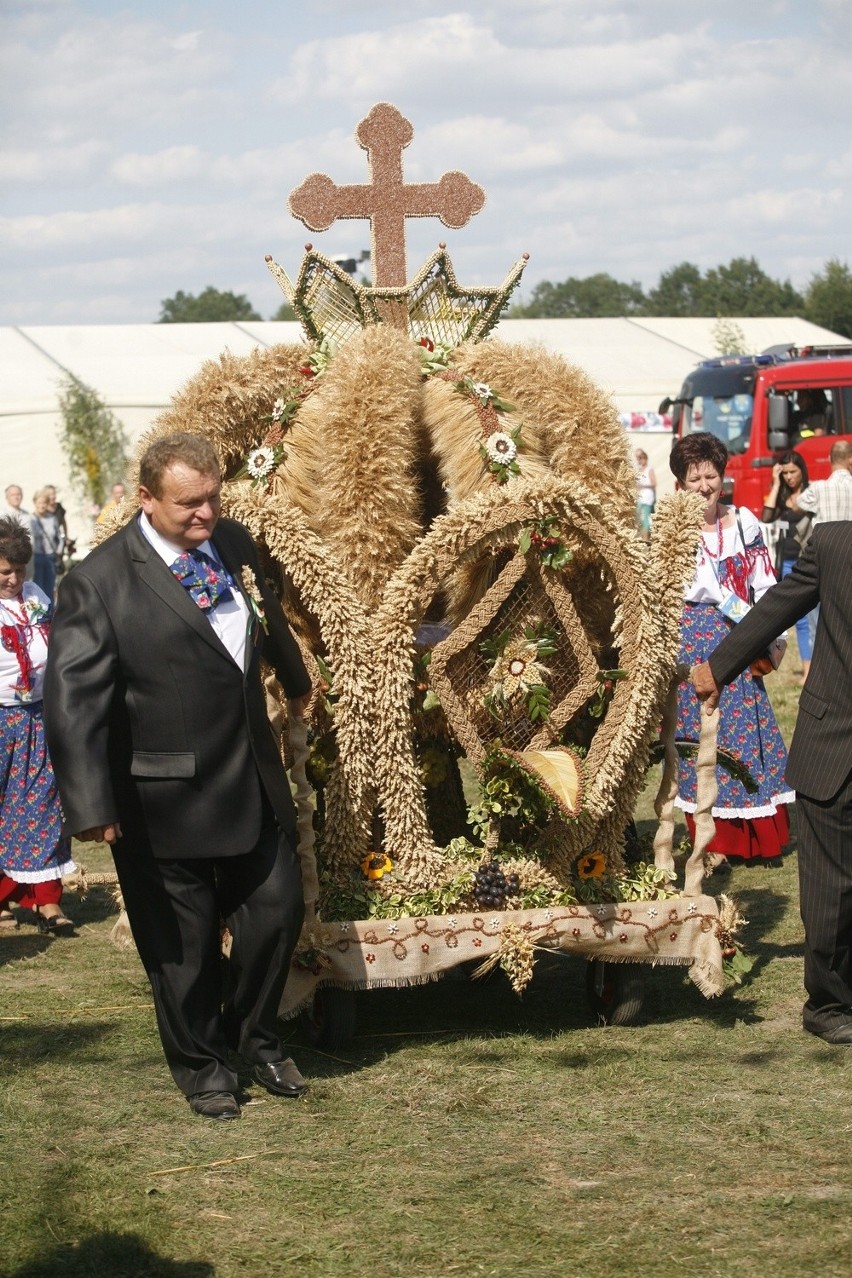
[(680, 291), (209, 307), (93, 439), (595, 296), (828, 298), (742, 288), (284, 312)]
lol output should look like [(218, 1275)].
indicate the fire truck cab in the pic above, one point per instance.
[(761, 406)]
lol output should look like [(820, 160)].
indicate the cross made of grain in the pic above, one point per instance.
[(386, 199)]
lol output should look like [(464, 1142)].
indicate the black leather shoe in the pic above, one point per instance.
[(839, 1033), (280, 1077), (218, 1105)]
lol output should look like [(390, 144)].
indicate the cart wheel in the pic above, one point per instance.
[(330, 1019), (616, 991)]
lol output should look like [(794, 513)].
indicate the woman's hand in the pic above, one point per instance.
[(100, 834)]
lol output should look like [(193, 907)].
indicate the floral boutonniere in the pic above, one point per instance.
[(36, 610), (255, 598)]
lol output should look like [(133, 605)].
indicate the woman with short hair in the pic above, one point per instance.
[(732, 571), (34, 854)]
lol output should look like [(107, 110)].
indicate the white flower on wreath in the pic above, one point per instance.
[(517, 670), (277, 410), (482, 391), (261, 461), (501, 448)]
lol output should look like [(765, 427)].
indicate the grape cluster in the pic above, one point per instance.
[(491, 886)]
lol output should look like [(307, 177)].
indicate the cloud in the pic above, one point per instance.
[(469, 61), (72, 164), (175, 164), (105, 74)]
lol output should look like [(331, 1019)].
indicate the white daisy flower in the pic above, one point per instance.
[(483, 391), (277, 410), (260, 462), (500, 447)]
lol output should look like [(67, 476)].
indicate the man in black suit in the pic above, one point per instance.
[(162, 746), (819, 766)]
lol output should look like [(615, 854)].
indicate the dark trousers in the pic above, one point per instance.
[(205, 1006), (825, 895)]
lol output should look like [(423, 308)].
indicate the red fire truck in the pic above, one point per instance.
[(762, 405)]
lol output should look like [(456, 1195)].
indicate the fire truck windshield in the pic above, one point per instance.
[(720, 400)]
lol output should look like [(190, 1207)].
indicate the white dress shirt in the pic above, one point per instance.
[(230, 619)]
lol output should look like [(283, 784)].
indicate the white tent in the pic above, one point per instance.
[(137, 368)]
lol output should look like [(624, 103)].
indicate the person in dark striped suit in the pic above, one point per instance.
[(819, 767)]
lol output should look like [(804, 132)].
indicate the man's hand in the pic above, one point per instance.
[(100, 834), (299, 705), (701, 678)]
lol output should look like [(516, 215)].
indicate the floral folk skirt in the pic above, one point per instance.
[(32, 846), (748, 825)]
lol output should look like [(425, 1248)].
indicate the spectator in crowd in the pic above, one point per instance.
[(14, 495), (54, 505), (646, 498), (34, 853), (48, 542), (793, 527), (831, 499), (115, 499)]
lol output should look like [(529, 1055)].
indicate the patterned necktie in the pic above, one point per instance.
[(207, 582)]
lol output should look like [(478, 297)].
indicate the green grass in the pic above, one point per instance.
[(464, 1131)]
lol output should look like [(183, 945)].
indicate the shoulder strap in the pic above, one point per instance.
[(743, 540)]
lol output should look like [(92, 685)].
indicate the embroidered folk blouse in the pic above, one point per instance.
[(731, 567), (24, 629)]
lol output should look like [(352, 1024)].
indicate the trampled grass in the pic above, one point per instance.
[(463, 1131)]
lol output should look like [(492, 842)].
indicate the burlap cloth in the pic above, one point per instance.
[(411, 951)]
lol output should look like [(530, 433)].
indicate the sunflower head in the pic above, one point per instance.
[(375, 864), (591, 865)]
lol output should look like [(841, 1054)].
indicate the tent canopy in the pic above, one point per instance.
[(137, 368)]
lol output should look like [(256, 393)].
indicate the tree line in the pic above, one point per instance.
[(740, 288)]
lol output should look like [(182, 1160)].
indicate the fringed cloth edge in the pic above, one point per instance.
[(380, 954)]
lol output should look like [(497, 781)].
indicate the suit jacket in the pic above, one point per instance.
[(149, 720), (820, 757)]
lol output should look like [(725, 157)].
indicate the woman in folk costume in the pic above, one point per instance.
[(732, 571), (34, 855)]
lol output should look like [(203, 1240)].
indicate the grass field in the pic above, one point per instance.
[(464, 1131)]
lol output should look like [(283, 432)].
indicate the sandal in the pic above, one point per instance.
[(55, 925), (7, 920)]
